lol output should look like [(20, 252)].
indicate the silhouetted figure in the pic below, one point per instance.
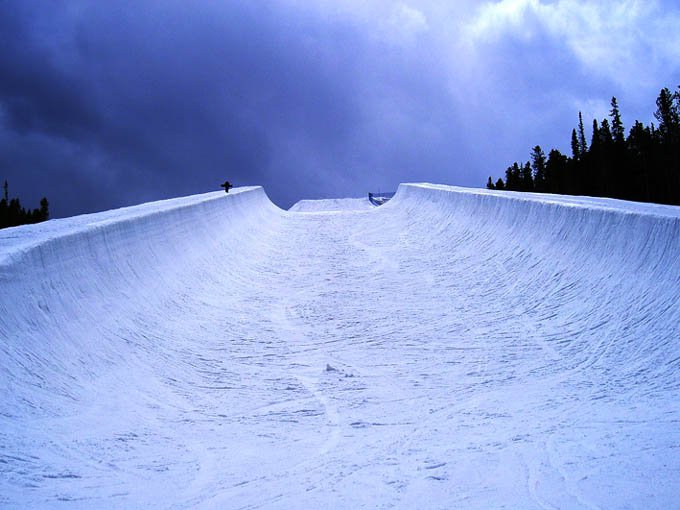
[(227, 186)]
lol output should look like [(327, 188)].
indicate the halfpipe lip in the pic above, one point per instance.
[(17, 241), (572, 201)]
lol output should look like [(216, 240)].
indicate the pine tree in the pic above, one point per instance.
[(583, 146), (602, 162), (668, 162), (556, 173), (575, 147), (509, 181), (605, 132), (538, 167), (526, 178), (489, 184), (639, 150), (44, 210), (667, 114), (595, 138), (513, 180), (500, 184), (617, 124)]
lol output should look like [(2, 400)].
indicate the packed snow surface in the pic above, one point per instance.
[(453, 348), (333, 204)]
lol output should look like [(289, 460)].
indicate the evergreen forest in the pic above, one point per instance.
[(643, 166), (13, 214)]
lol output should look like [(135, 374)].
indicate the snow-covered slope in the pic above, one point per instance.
[(452, 348), (333, 204)]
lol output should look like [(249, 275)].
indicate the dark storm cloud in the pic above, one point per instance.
[(36, 95), (147, 100), (105, 104)]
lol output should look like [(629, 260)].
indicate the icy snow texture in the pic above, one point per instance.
[(453, 348)]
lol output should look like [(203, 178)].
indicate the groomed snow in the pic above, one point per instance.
[(333, 204), (454, 348)]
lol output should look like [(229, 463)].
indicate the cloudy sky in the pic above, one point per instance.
[(111, 103)]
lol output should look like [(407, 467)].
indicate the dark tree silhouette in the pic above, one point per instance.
[(12, 214), (645, 166), (512, 178), (557, 172), (575, 146), (44, 211), (526, 178), (667, 114), (617, 124), (583, 146), (538, 167)]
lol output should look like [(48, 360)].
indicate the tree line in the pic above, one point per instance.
[(13, 214), (643, 166)]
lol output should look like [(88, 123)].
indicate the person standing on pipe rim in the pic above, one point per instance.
[(227, 186)]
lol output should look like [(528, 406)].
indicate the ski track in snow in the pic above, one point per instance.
[(453, 348)]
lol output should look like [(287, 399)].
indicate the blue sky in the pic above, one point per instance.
[(104, 104)]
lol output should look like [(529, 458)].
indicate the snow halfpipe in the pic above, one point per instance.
[(454, 348)]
